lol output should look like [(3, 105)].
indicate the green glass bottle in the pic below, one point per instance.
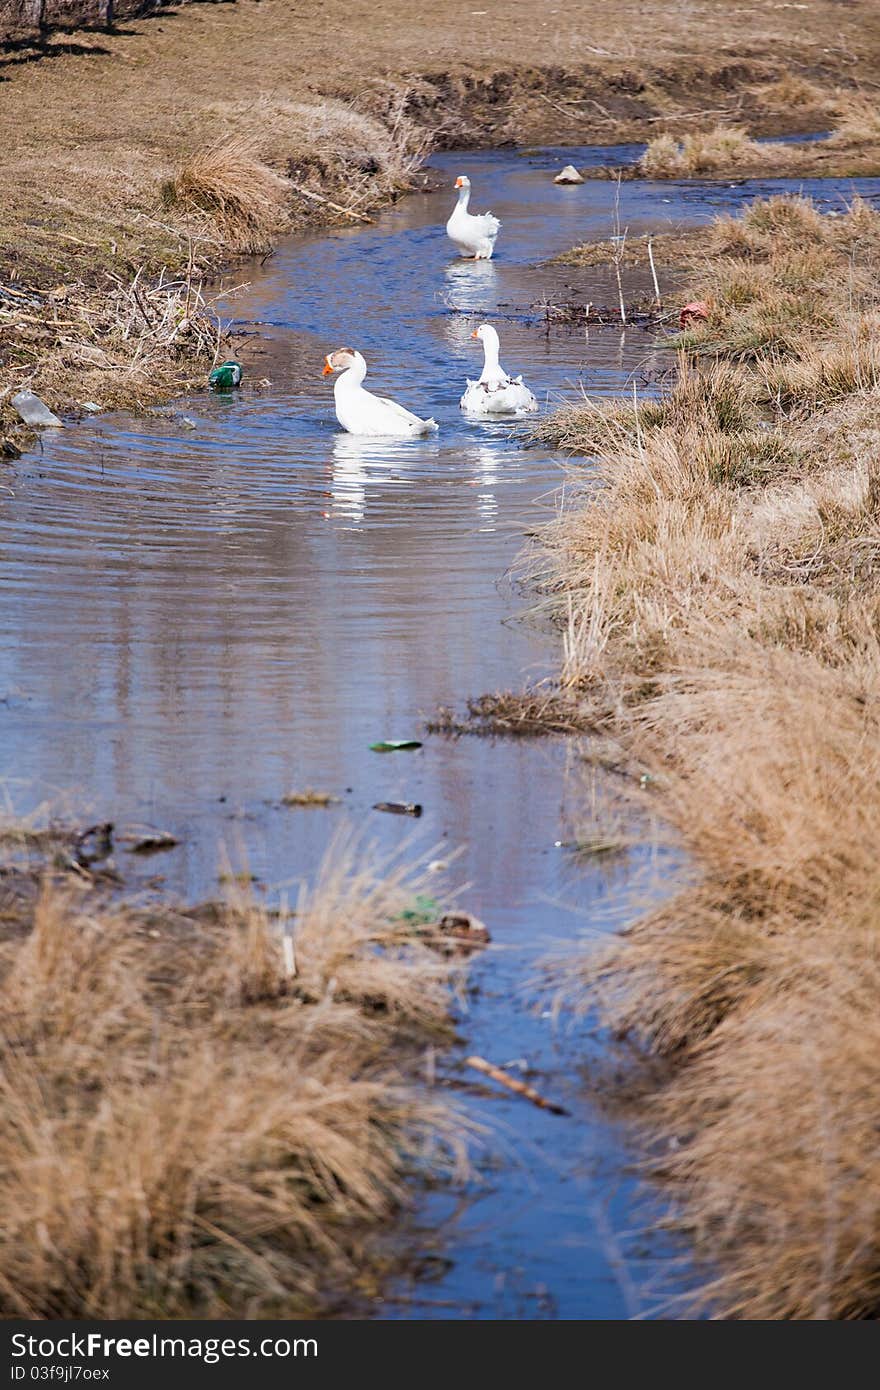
[(225, 377)]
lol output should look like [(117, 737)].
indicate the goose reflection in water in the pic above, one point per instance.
[(359, 460), (470, 285), (487, 474)]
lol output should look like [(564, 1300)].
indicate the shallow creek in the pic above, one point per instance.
[(196, 618)]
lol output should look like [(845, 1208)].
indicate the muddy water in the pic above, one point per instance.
[(203, 609)]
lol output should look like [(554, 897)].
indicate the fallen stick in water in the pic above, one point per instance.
[(518, 1087), (319, 198)]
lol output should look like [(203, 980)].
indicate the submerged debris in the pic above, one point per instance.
[(465, 929), (395, 745), (93, 845), (399, 808), (569, 313), (519, 1088), (309, 797), (147, 841)]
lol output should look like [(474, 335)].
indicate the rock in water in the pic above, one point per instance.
[(569, 175), (32, 410), (226, 376)]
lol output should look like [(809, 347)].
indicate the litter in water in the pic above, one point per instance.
[(34, 411)]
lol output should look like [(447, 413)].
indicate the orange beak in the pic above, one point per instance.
[(475, 333), (327, 368), (459, 182)]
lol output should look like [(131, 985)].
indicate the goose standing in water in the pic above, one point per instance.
[(359, 411), (473, 235), (496, 393)]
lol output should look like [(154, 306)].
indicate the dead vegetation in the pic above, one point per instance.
[(717, 572), (140, 339), (204, 1112), (242, 201), (729, 149), (542, 709)]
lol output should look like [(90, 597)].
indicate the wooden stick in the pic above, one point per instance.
[(318, 198), (519, 1088)]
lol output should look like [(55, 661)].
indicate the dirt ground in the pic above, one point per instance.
[(94, 125), (89, 131)]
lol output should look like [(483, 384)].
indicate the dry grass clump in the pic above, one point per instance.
[(763, 975), (703, 152), (201, 1111), (857, 121), (730, 150), (792, 92), (538, 710), (351, 147), (338, 158), (718, 571), (242, 199)]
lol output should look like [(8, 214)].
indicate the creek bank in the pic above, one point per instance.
[(719, 594), (226, 1110)]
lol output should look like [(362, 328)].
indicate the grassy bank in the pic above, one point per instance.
[(717, 579), (849, 119), (294, 119), (197, 1118)]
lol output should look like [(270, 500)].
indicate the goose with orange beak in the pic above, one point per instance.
[(359, 411), (474, 235), (496, 393)]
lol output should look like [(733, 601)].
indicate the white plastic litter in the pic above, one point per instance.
[(32, 410)]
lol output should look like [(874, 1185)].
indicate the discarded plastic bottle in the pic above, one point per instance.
[(32, 410), (225, 377)]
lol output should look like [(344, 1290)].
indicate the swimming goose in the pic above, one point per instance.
[(496, 393), (473, 235), (359, 411)]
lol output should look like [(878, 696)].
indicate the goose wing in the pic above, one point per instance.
[(400, 411)]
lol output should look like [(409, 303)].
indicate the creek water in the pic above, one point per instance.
[(206, 607)]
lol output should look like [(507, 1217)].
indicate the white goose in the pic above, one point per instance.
[(473, 235), (359, 411), (496, 393)]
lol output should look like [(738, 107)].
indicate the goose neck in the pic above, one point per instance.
[(491, 350)]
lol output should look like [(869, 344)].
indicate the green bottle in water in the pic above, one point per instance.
[(225, 377)]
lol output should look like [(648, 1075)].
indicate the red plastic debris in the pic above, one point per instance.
[(697, 312)]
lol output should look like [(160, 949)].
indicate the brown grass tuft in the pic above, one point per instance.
[(703, 152), (243, 201), (197, 1118)]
